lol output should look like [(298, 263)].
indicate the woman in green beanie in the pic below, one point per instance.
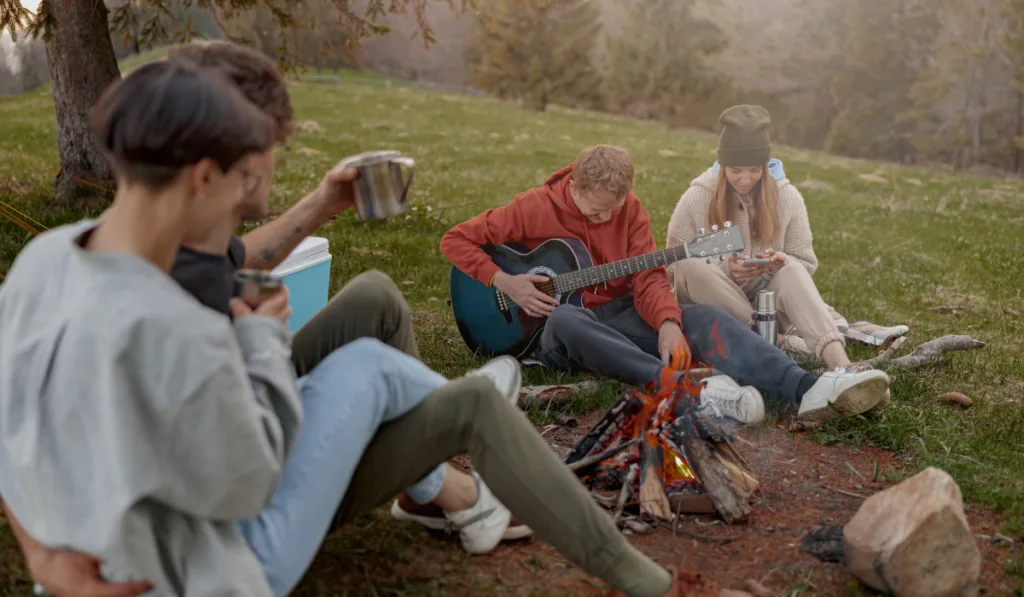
[(749, 187)]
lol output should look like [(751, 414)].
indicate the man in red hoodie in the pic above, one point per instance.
[(628, 328)]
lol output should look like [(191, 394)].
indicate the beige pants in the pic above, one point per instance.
[(797, 301)]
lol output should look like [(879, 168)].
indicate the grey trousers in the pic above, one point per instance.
[(614, 341)]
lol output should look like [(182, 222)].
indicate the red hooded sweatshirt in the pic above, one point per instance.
[(549, 212)]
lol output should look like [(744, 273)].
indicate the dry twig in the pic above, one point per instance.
[(584, 463), (627, 488), (675, 529), (844, 492)]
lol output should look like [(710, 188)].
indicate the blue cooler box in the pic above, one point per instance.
[(307, 274)]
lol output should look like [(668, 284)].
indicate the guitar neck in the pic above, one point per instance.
[(592, 276)]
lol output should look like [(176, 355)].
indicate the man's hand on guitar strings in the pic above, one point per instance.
[(523, 291)]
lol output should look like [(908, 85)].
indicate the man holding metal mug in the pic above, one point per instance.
[(370, 306)]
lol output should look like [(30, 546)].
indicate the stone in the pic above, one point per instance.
[(913, 540)]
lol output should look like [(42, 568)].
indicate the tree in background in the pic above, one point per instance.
[(537, 51), (662, 59), (959, 100), (1011, 47), (82, 62), (883, 46)]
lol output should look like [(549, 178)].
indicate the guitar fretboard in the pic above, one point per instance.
[(592, 276)]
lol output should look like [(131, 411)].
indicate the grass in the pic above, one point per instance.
[(894, 247)]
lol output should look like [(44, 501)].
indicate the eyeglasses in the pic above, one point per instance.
[(251, 181)]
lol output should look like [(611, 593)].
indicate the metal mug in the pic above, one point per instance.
[(381, 193), (765, 317), (253, 285)]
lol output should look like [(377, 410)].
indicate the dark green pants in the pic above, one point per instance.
[(369, 306), (465, 415)]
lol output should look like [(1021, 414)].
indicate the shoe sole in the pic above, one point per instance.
[(853, 401), (440, 524)]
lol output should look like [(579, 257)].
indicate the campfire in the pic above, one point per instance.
[(658, 454)]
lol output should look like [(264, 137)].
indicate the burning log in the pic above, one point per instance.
[(656, 443), (653, 500)]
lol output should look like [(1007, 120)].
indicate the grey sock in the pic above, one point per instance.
[(640, 576)]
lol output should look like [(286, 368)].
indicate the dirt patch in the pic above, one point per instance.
[(805, 486)]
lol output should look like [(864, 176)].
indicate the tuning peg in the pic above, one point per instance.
[(721, 257), (728, 224), (709, 261), (700, 231), (714, 228)]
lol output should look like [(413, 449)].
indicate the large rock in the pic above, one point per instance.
[(913, 540)]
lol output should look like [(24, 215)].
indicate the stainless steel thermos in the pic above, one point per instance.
[(765, 319)]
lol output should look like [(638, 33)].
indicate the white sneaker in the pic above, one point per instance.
[(727, 398), (433, 517), (506, 374), (841, 393), (481, 526)]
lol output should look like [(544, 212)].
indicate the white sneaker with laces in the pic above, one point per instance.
[(481, 526), (506, 374), (843, 393), (727, 398)]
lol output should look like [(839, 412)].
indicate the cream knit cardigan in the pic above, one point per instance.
[(794, 239)]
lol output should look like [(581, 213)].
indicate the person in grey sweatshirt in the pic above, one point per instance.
[(176, 445)]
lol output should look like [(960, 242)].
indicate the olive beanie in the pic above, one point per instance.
[(744, 140)]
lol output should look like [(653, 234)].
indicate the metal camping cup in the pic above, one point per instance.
[(380, 191), (253, 285), (765, 318)]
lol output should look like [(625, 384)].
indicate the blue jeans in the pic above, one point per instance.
[(346, 398)]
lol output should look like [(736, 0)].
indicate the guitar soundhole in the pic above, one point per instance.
[(548, 287)]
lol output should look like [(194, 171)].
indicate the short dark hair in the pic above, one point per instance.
[(256, 75), (166, 116)]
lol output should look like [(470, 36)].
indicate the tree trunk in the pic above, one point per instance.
[(1018, 154), (82, 64)]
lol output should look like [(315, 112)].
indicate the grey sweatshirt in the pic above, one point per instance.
[(135, 424)]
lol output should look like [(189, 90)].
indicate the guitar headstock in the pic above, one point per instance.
[(718, 242)]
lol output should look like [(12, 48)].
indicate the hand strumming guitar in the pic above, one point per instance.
[(523, 291)]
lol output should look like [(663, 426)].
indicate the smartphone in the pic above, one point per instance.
[(756, 261)]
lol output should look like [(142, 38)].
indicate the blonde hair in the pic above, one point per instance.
[(604, 167), (764, 225)]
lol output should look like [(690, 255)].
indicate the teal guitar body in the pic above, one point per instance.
[(492, 324)]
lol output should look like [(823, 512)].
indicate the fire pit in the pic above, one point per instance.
[(658, 446)]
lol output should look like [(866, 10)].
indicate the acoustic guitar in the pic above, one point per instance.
[(492, 324)]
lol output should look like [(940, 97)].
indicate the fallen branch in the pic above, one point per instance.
[(886, 355), (531, 396), (928, 353), (590, 460), (931, 351)]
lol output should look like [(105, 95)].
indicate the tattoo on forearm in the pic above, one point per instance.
[(268, 254)]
